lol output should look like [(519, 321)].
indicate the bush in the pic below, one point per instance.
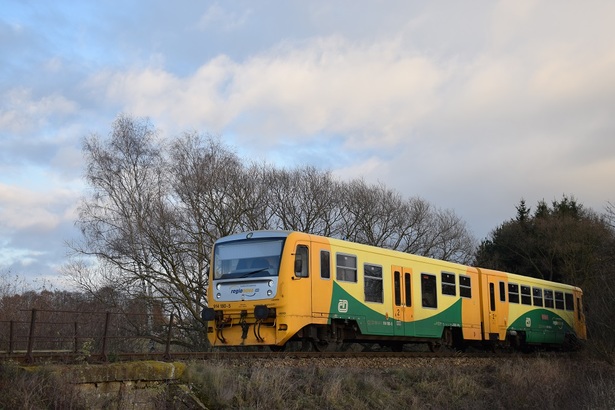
[(40, 389)]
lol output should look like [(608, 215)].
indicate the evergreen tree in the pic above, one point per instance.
[(563, 242)]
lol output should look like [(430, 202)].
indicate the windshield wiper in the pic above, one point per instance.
[(245, 275)]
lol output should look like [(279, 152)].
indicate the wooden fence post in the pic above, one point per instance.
[(29, 357), (103, 355), (167, 349), (11, 335)]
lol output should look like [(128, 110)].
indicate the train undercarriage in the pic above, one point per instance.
[(345, 335)]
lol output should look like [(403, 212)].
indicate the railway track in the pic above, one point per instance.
[(49, 357)]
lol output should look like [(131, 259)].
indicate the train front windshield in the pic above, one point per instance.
[(247, 258)]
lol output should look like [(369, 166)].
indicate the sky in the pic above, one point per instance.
[(470, 105)]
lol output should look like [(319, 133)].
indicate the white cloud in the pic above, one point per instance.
[(471, 106), (514, 107), (22, 113), (24, 209), (373, 94), (217, 16)]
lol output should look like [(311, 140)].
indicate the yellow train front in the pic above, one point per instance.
[(259, 289), (267, 288)]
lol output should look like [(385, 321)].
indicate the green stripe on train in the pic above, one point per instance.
[(345, 306), (542, 326)]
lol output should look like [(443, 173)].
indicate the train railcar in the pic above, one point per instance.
[(267, 288), (525, 311)]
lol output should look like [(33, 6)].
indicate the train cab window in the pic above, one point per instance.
[(373, 283), (429, 291), (325, 265), (302, 262), (397, 284), (513, 293), (502, 292), (448, 284), (526, 295), (537, 296), (548, 298), (569, 301), (346, 267), (559, 300), (465, 286)]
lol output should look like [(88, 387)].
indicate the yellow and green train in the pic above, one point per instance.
[(267, 288)]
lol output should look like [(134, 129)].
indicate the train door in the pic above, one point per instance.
[(403, 312), (322, 283), (300, 284), (497, 309)]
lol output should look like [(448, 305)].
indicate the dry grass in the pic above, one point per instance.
[(509, 383), (514, 382), (22, 389)]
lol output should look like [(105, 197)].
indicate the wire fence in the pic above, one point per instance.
[(89, 335)]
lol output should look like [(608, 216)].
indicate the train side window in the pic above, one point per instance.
[(548, 298), (537, 296), (346, 267), (325, 265), (429, 291), (465, 286), (397, 284), (302, 261), (407, 289), (559, 300), (526, 295), (513, 293), (502, 292), (373, 283), (569, 301), (448, 284)]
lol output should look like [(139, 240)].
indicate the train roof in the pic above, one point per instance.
[(254, 235), (342, 242)]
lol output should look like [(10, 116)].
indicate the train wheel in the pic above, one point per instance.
[(447, 338), (435, 347), (397, 347), (323, 346), (276, 348), (446, 341), (306, 345)]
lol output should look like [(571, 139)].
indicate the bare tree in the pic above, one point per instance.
[(130, 221), (154, 210), (373, 214), (304, 199), (449, 238), (125, 176), (376, 215), (417, 219), (610, 214), (217, 194)]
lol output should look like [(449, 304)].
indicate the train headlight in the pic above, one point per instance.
[(270, 283), (269, 292), (218, 295), (218, 286)]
